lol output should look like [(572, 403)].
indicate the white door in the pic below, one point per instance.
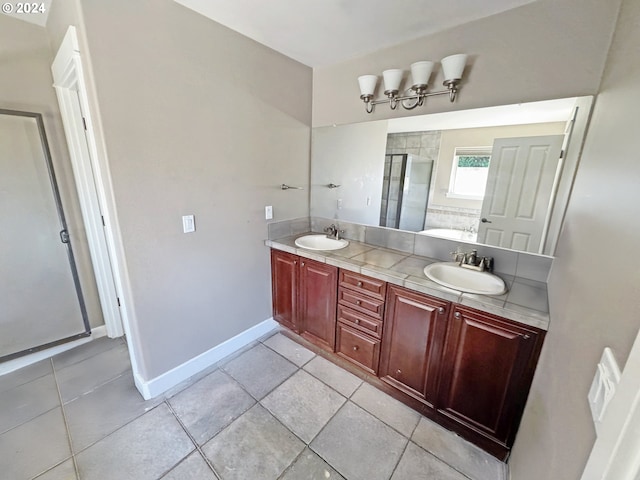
[(517, 197)]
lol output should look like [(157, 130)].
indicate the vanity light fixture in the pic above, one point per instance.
[(452, 67)]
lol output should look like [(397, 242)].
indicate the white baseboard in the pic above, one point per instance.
[(160, 384), (13, 365)]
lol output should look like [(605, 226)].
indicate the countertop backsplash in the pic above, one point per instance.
[(400, 257)]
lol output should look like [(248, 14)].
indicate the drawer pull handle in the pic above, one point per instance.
[(440, 310), (359, 284), (398, 372), (357, 321), (355, 348), (358, 302)]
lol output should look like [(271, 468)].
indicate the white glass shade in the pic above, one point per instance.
[(392, 79), (420, 72), (453, 66), (367, 84)]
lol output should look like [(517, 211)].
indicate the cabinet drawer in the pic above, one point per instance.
[(361, 303), (360, 283), (360, 321), (358, 348)]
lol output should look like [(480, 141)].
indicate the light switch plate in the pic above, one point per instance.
[(188, 224), (604, 386), (268, 212)]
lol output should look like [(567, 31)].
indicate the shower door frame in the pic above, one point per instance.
[(64, 232)]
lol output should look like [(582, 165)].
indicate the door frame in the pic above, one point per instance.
[(83, 132), (46, 152)]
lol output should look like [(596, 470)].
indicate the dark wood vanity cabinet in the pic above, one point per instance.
[(284, 289), (486, 371), (415, 328), (317, 302), (360, 317), (468, 370), (304, 294)]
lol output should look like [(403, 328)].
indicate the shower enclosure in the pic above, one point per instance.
[(405, 191), (41, 300)]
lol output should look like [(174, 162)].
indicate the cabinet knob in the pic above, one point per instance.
[(356, 348), (295, 262), (457, 315), (526, 337), (398, 372), (359, 284), (357, 321), (440, 310), (302, 264), (358, 302)]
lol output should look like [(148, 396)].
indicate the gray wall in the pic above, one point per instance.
[(351, 156), (25, 84), (197, 120), (546, 49), (594, 282)]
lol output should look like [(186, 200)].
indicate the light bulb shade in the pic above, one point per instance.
[(453, 66), (420, 73), (367, 84), (392, 79)]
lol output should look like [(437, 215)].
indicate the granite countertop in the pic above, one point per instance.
[(525, 301)]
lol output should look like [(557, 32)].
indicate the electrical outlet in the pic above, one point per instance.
[(268, 212), (188, 224)]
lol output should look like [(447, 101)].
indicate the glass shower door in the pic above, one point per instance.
[(41, 303)]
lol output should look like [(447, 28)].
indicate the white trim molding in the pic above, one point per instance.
[(68, 83), (74, 85), (160, 384)]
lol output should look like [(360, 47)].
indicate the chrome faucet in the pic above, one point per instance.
[(333, 232), (472, 261)]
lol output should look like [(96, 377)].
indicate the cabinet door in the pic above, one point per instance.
[(284, 288), (412, 340), (487, 370), (318, 301)]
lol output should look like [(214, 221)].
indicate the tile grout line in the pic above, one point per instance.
[(193, 440), (404, 450), (66, 423), (307, 445), (442, 461), (350, 399)]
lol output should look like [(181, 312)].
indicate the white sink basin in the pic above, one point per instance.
[(452, 275), (320, 242)]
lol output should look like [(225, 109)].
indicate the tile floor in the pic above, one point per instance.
[(273, 411)]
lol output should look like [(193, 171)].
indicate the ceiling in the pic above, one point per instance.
[(324, 32)]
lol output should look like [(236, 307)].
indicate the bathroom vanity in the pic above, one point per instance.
[(467, 368)]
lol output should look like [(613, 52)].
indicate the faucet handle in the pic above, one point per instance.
[(458, 255), (488, 263)]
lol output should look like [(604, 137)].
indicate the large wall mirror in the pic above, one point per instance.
[(498, 176)]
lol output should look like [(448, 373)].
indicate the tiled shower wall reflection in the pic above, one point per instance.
[(427, 145)]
